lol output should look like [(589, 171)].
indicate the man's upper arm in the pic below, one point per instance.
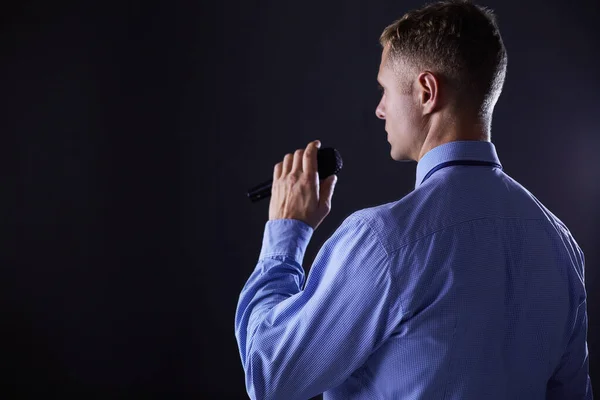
[(347, 310), (571, 378)]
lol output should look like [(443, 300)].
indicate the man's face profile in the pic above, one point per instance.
[(398, 109)]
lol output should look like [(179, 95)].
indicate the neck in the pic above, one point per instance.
[(440, 129)]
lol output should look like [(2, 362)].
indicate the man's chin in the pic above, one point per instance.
[(399, 156)]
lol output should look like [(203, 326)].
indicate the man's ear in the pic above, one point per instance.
[(429, 93)]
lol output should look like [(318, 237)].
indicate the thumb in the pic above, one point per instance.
[(326, 190)]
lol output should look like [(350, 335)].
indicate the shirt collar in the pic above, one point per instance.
[(457, 150)]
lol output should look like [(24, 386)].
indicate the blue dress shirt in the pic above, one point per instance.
[(466, 288)]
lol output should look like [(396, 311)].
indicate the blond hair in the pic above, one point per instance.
[(456, 40)]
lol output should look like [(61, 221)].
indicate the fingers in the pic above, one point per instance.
[(297, 165), (326, 191), (303, 160), (287, 164), (309, 161), (277, 170)]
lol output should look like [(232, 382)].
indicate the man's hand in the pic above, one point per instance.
[(296, 192)]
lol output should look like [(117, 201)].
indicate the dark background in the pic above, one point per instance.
[(132, 130)]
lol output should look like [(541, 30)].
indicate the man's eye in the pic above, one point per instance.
[(381, 89)]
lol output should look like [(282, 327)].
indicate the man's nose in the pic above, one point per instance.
[(379, 112)]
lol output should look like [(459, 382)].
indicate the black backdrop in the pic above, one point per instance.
[(133, 129)]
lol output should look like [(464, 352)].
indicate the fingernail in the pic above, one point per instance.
[(318, 142)]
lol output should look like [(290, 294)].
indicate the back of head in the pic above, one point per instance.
[(460, 43)]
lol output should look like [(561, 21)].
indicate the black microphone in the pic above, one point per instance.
[(329, 162)]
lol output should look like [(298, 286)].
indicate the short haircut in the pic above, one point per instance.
[(457, 41)]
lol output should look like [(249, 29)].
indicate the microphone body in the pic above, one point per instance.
[(329, 162)]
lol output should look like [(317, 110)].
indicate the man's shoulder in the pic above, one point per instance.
[(564, 232), (552, 218), (397, 222), (425, 211)]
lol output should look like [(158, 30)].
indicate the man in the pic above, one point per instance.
[(466, 288)]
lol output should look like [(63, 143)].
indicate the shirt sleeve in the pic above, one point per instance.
[(571, 379), (296, 344)]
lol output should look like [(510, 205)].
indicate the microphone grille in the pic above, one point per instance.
[(329, 162)]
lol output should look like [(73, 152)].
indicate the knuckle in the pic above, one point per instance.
[(305, 178)]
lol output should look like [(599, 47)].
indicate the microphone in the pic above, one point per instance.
[(329, 162)]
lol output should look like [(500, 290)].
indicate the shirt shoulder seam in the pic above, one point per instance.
[(456, 224), (372, 230)]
